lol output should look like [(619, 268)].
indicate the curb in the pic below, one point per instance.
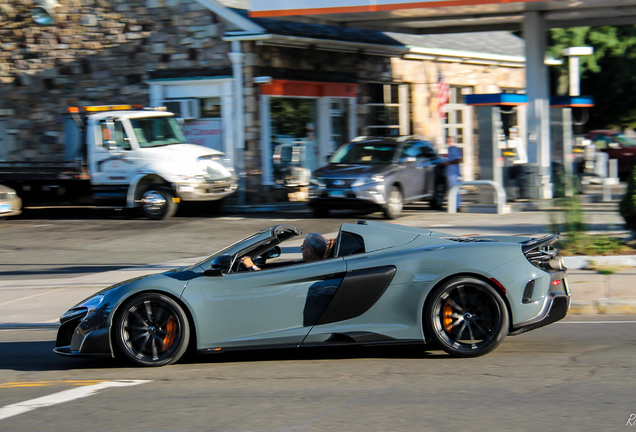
[(582, 262), (603, 307)]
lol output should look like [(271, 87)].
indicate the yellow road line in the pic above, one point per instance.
[(28, 297), (50, 383)]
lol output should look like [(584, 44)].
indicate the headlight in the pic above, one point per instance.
[(317, 182), (369, 180), (85, 308), (215, 167)]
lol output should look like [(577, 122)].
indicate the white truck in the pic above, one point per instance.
[(127, 157)]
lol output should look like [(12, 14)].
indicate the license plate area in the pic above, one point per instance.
[(337, 194)]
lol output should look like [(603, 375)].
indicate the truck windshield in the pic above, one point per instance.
[(157, 131)]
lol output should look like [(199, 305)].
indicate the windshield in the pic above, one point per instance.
[(157, 131), (624, 140), (365, 153)]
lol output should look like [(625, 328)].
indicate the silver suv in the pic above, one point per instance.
[(384, 173)]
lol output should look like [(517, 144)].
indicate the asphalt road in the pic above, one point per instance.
[(576, 375)]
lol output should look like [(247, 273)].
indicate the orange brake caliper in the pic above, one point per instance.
[(171, 333), (447, 317)]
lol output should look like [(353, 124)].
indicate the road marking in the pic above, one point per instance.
[(29, 297), (63, 396), (49, 383), (597, 322)]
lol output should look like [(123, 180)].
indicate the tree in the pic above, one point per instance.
[(606, 75)]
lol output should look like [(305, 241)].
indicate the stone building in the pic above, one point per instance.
[(271, 94)]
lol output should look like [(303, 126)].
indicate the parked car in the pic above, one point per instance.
[(371, 174), (10, 202), (618, 146), (380, 283)]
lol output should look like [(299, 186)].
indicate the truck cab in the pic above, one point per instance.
[(140, 158)]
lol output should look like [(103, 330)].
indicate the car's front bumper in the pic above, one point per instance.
[(77, 337), (206, 191), (10, 207), (370, 196)]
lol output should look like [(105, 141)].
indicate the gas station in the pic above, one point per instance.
[(520, 136)]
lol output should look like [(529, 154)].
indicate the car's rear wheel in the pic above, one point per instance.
[(466, 317), (151, 330), (395, 203)]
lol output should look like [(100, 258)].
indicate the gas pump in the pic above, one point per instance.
[(568, 154), (502, 155)]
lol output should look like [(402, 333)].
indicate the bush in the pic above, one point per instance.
[(627, 206)]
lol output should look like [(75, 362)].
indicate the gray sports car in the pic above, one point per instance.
[(379, 283)]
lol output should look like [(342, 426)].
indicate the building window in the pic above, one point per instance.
[(387, 109), (210, 107), (339, 115), (293, 139)]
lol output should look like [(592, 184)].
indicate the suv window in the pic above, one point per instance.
[(418, 149)]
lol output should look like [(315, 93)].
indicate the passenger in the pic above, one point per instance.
[(314, 248)]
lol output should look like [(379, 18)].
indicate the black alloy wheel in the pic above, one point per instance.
[(466, 317), (151, 330)]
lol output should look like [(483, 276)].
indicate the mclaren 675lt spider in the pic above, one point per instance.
[(378, 283)]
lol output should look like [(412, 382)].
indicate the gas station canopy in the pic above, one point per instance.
[(447, 16)]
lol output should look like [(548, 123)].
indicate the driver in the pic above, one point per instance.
[(314, 248)]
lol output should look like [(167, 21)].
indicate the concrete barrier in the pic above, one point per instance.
[(500, 194)]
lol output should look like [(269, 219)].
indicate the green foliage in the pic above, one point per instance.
[(627, 205), (606, 75), (587, 244), (574, 239)]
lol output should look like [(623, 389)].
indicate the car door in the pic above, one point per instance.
[(114, 163), (411, 172), (269, 307)]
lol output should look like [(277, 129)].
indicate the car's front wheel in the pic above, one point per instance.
[(157, 202), (466, 317), (395, 203), (151, 330)]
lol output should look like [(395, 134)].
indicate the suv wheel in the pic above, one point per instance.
[(395, 203)]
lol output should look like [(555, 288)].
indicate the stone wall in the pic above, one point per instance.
[(97, 52)]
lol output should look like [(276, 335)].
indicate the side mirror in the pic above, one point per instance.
[(274, 252), (219, 266), (408, 159)]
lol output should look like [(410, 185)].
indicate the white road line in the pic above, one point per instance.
[(63, 396), (596, 322)]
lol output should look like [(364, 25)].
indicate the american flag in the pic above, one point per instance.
[(443, 94)]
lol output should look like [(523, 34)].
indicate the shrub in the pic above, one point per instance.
[(627, 206)]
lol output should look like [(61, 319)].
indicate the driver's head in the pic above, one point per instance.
[(314, 247)]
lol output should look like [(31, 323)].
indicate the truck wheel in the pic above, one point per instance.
[(157, 202)]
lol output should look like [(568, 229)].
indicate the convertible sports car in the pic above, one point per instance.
[(379, 283)]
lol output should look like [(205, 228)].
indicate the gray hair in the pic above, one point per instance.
[(317, 242)]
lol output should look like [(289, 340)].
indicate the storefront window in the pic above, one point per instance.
[(294, 148), (210, 107), (339, 114), (386, 108)]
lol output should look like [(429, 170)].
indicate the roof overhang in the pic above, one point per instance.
[(447, 16), (322, 44)]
